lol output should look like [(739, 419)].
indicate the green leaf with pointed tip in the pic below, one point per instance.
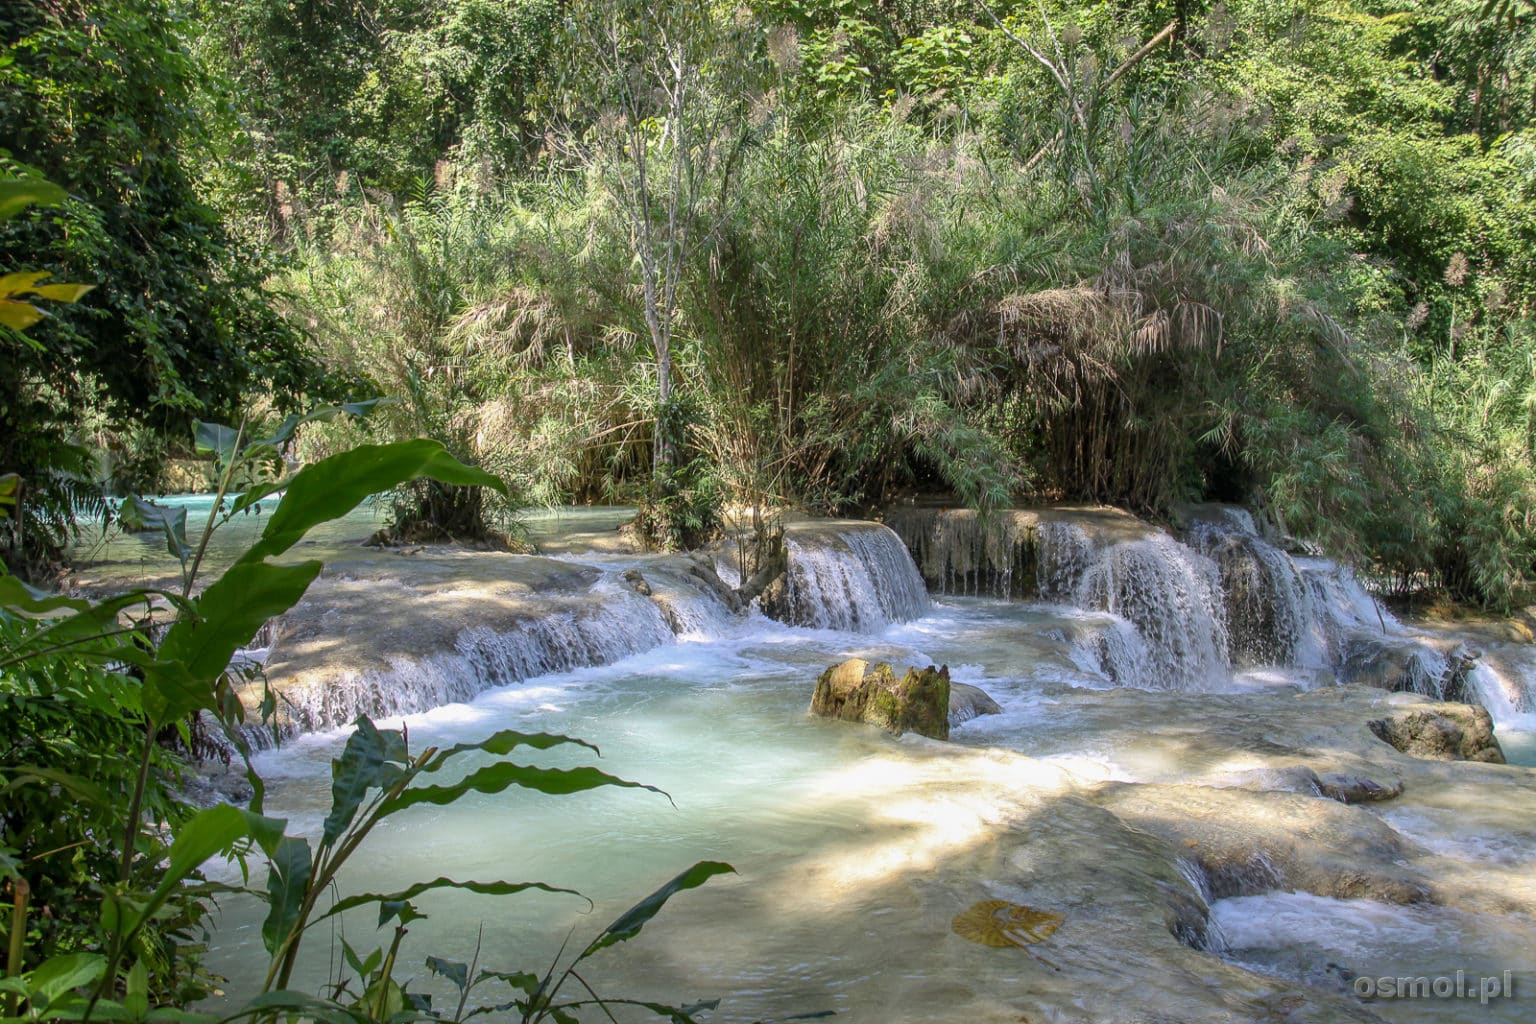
[(60, 975), (497, 777), (483, 888), (18, 597), (82, 789), (288, 875), (372, 759), (146, 515), (10, 484), (215, 439), (79, 628), (504, 742), (332, 487), (453, 970), (228, 614), (208, 832), (635, 918)]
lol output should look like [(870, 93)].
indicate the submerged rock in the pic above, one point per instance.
[(1442, 732), (967, 702), (861, 691)]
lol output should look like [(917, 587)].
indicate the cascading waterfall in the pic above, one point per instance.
[(613, 624), (850, 576), (1111, 647), (1271, 617), (1169, 592)]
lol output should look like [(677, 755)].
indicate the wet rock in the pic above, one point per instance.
[(1431, 666), (861, 691), (1442, 732), (1357, 789), (635, 580), (967, 702), (1249, 843)]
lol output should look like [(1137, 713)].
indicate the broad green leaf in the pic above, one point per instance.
[(288, 875), (215, 439), (16, 194), (95, 621), (60, 975), (146, 515), (332, 487), (362, 968), (370, 760), (171, 691), (10, 484), (136, 993), (453, 970), (635, 918), (483, 888), (205, 834), (231, 610), (497, 777), (16, 596), (405, 910), (505, 742)]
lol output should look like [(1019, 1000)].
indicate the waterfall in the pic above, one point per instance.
[(1504, 682), (612, 622), (1111, 647), (853, 576), (1271, 616), (961, 552), (1170, 593)]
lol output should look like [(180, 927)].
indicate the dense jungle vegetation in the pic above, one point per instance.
[(685, 254), (1280, 252)]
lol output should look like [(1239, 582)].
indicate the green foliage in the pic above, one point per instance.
[(79, 685), (99, 100)]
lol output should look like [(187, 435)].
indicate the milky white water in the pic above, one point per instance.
[(855, 850)]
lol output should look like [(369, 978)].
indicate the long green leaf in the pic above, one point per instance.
[(497, 777), (17, 596), (96, 620), (288, 876), (483, 888), (206, 833), (215, 439), (231, 610), (60, 975), (371, 760), (635, 918), (504, 742), (332, 487)]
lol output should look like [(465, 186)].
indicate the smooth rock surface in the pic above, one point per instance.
[(967, 702)]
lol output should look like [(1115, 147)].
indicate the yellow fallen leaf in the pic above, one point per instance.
[(1000, 923)]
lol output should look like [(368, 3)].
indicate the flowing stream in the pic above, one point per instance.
[(1156, 777)]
